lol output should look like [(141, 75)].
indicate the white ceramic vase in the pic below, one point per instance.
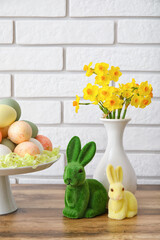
[(116, 155)]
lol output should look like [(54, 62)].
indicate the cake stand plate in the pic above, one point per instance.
[(7, 203)]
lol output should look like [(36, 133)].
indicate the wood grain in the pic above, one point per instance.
[(40, 217)]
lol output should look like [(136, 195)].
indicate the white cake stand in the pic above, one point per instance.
[(7, 203)]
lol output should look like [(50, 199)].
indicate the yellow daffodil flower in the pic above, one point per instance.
[(127, 94), (116, 91), (76, 103), (89, 71), (113, 103), (101, 68), (136, 100), (145, 101), (104, 93), (115, 73), (102, 80), (145, 89), (90, 92)]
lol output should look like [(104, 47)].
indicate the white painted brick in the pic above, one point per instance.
[(68, 85), (149, 115), (145, 165), (86, 114), (30, 8), (60, 181), (139, 31), (89, 8), (30, 58), (39, 181), (65, 32), (6, 30), (153, 79), (135, 138), (55, 170), (5, 83), (92, 113), (53, 85), (38, 111), (127, 58), (148, 181)]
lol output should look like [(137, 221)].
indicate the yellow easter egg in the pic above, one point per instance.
[(7, 115)]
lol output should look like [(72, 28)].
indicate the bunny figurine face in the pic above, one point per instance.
[(74, 174), (116, 191)]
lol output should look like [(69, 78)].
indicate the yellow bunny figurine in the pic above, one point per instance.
[(122, 204)]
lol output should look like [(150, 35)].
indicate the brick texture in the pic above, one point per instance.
[(127, 58), (30, 8), (38, 32), (6, 30), (102, 8), (139, 31)]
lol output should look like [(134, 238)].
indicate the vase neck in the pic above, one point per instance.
[(115, 130)]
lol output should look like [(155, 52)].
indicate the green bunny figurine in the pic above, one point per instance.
[(83, 198)]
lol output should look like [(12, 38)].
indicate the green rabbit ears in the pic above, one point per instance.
[(73, 149), (87, 153), (75, 154)]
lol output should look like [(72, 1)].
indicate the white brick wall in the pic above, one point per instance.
[(43, 47)]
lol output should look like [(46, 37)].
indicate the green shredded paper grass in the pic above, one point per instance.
[(12, 160)]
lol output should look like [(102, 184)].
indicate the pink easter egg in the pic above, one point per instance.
[(19, 132), (26, 147), (46, 143)]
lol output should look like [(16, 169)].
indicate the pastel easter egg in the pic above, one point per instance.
[(26, 147), (39, 145), (19, 132), (46, 143), (4, 132), (8, 143), (4, 150), (7, 115), (34, 128), (0, 137), (14, 104)]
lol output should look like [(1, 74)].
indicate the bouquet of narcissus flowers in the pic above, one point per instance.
[(113, 101)]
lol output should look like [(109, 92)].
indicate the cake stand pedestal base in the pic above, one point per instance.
[(7, 203)]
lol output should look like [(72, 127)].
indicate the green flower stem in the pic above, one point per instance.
[(114, 114), (84, 103), (124, 114), (110, 115), (119, 113)]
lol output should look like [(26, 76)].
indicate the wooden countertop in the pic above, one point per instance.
[(40, 217)]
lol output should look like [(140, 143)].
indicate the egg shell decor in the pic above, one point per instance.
[(0, 137), (14, 104), (4, 131), (34, 128), (39, 145), (8, 143), (26, 147), (19, 132), (4, 150), (8, 115), (45, 141)]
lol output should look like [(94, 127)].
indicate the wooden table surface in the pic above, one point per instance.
[(40, 217)]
